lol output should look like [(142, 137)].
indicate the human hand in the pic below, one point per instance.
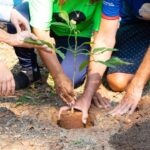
[(83, 104), (17, 40), (19, 21), (64, 88), (7, 83), (129, 102), (100, 101)]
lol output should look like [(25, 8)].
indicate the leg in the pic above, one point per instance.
[(119, 81), (68, 62), (27, 57), (140, 54), (132, 47)]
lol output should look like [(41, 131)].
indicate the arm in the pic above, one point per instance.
[(63, 85), (135, 88), (41, 27), (104, 38)]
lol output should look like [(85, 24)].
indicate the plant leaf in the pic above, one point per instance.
[(60, 24), (83, 65), (34, 42), (87, 43), (60, 53), (64, 16), (114, 61), (38, 42), (103, 49)]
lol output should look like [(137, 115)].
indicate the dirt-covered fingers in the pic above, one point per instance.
[(101, 101), (67, 97), (124, 107), (96, 102), (7, 87)]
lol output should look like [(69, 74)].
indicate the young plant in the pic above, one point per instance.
[(71, 25)]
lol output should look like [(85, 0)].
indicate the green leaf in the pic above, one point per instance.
[(34, 42), (37, 42), (60, 54), (87, 43), (103, 49), (83, 65), (61, 24), (64, 16), (114, 61)]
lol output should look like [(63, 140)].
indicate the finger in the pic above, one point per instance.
[(133, 107), (96, 102), (64, 108), (33, 36), (115, 110), (125, 109), (69, 98), (8, 88), (84, 117), (100, 99), (17, 26), (4, 88), (0, 88), (107, 102), (63, 98), (13, 86), (27, 26)]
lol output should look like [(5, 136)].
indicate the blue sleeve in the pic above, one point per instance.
[(111, 9)]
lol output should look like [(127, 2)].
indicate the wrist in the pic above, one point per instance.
[(58, 75)]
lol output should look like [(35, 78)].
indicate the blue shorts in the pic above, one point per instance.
[(132, 41)]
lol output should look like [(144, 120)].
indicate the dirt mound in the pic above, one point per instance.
[(135, 134)]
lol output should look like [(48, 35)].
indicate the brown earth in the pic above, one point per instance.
[(28, 121)]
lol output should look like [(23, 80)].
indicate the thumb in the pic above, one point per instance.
[(84, 117), (16, 24)]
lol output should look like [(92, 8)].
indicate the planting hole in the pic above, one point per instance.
[(71, 120)]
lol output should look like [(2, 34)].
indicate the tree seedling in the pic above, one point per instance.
[(71, 25)]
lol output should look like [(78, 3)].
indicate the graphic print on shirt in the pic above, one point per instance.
[(78, 16), (144, 11)]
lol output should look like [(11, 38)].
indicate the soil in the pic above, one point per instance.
[(28, 121), (73, 120)]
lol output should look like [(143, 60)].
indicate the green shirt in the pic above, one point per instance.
[(87, 15)]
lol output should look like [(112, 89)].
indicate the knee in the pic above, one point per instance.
[(118, 82)]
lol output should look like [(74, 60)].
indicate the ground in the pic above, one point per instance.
[(28, 120)]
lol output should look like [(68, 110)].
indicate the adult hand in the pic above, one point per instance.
[(7, 83), (83, 104), (17, 40), (19, 21), (64, 88), (130, 100), (100, 101)]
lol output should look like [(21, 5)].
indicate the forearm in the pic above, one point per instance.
[(104, 38), (143, 73), (50, 59), (5, 37)]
